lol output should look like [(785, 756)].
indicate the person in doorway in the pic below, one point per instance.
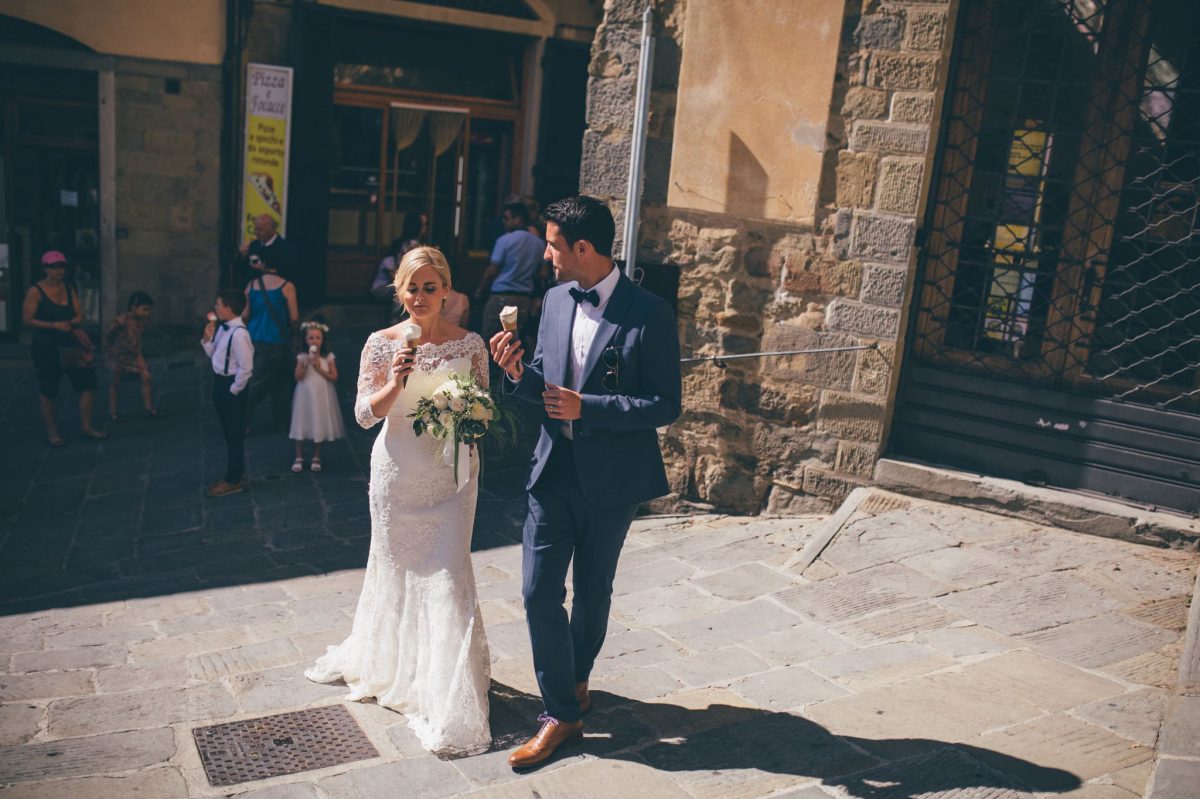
[(227, 343), (412, 235), (123, 354), (270, 314), (605, 376), (511, 276), (51, 309), (267, 241)]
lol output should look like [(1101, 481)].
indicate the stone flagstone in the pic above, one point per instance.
[(876, 540), (80, 757), (251, 657), (138, 710), (151, 783), (84, 657), (1159, 668), (716, 667), (1036, 603), (798, 644), (1101, 640), (1136, 715), (47, 685), (944, 772), (1041, 751), (786, 689), (19, 722), (867, 668), (897, 623), (850, 596), (744, 582), (742, 623)]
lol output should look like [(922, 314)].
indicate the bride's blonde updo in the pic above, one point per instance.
[(416, 258)]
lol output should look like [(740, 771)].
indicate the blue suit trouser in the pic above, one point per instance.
[(561, 524)]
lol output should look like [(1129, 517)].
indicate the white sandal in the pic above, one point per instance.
[(315, 465), (298, 465)]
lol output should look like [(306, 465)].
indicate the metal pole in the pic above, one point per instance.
[(637, 156)]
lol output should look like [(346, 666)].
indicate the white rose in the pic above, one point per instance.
[(458, 404), (456, 392), (446, 420), (439, 402)]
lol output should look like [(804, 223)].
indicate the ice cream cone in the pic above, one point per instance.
[(508, 318)]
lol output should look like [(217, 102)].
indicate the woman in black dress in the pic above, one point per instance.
[(52, 310)]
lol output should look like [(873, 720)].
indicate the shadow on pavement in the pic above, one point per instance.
[(719, 737), (124, 518)]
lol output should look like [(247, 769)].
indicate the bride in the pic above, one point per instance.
[(417, 645)]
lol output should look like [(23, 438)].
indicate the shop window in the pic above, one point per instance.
[(458, 62)]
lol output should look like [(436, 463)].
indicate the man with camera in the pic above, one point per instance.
[(267, 243)]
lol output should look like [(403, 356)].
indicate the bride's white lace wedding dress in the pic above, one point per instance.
[(418, 645)]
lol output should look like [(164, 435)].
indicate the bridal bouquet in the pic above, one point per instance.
[(459, 412)]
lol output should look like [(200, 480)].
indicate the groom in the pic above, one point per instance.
[(606, 372)]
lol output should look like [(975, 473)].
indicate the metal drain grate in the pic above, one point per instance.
[(255, 749)]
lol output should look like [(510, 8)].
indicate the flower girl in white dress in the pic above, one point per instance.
[(316, 416)]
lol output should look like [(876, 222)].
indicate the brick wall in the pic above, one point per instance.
[(797, 433), (167, 216)]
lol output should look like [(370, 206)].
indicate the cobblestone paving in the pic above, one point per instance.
[(930, 651)]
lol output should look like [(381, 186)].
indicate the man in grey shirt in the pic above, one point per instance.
[(512, 275)]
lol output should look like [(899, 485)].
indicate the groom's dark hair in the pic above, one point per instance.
[(583, 218)]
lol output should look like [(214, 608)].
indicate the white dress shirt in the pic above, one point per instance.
[(583, 330), (231, 353)]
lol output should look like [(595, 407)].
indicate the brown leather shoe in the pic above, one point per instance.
[(540, 747), (584, 696), (224, 489)]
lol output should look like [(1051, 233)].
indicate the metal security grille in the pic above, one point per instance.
[(1056, 327), (1062, 250)]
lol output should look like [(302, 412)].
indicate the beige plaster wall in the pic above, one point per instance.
[(191, 31), (754, 93)]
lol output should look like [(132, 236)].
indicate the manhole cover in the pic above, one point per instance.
[(255, 749)]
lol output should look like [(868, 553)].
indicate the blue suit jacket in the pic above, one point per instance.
[(615, 441)]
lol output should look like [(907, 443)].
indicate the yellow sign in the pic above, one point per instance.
[(268, 138)]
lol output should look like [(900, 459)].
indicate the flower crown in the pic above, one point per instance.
[(324, 328)]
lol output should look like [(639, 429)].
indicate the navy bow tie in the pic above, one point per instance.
[(591, 295), (223, 326)]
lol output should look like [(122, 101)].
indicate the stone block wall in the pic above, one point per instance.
[(797, 433), (167, 193)]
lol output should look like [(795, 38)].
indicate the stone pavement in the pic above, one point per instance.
[(929, 650)]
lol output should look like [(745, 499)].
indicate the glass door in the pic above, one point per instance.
[(49, 199), (391, 163), (428, 149)]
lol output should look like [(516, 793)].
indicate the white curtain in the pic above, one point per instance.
[(406, 126), (444, 128)]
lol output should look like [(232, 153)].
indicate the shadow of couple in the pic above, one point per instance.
[(722, 737)]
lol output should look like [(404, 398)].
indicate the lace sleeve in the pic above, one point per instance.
[(372, 376), (479, 362)]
